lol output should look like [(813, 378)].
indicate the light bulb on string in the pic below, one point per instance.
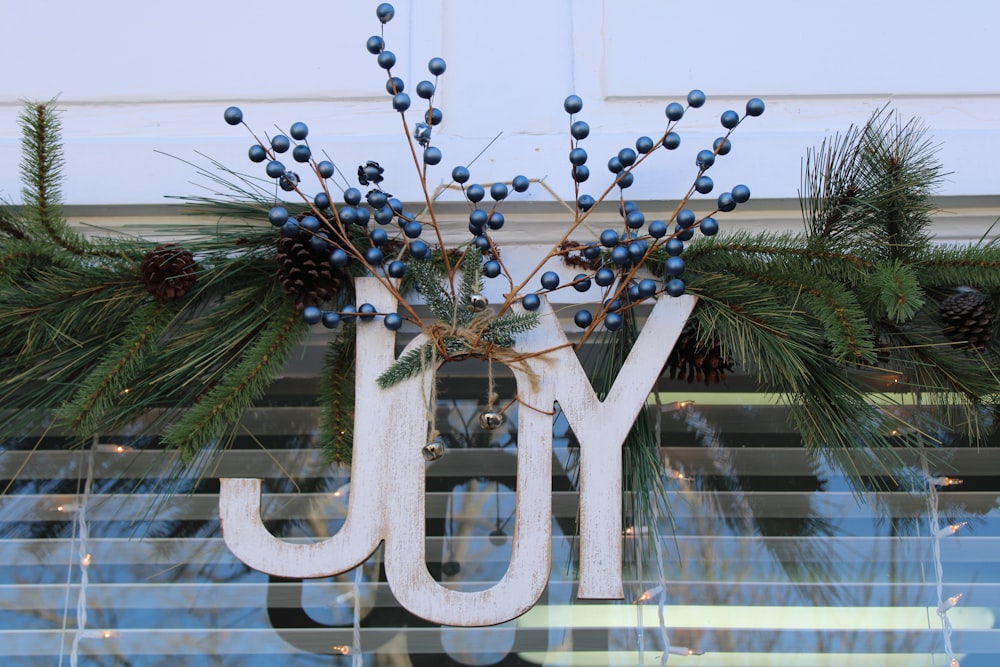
[(949, 603), (945, 481), (951, 529)]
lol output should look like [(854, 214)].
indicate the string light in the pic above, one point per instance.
[(950, 530), (112, 448), (684, 650), (945, 481), (949, 603), (342, 650)]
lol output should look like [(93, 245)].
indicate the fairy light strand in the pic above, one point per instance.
[(937, 531), (83, 550)]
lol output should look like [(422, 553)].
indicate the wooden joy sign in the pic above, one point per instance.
[(387, 474)]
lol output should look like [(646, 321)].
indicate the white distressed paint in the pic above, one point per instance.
[(387, 501)]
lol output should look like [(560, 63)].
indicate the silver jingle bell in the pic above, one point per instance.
[(490, 421), (477, 303), (433, 450)]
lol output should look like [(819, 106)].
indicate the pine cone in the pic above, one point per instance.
[(306, 275), (969, 318), (694, 358), (168, 272)]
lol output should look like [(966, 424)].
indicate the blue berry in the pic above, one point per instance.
[(367, 312), (478, 218), (432, 155), (301, 153), (396, 269), (400, 101), (686, 217), (637, 250), (275, 169), (604, 276), (635, 220), (498, 191), (615, 165), (674, 266), (583, 318), (277, 216), (491, 269), (730, 119), (647, 288), (396, 205), (362, 216), (321, 201), (591, 251), (627, 207), (704, 185), (310, 223), (657, 229), (386, 59), (585, 202), (460, 175), (644, 144), (299, 131), (348, 312), (550, 280), (384, 215), (436, 66), (705, 159), (376, 199), (482, 242), (339, 258), (394, 85), (496, 220), (531, 302), (709, 227), (674, 111), (290, 229), (613, 321), (627, 157), (413, 229), (385, 12), (375, 44), (578, 156), (433, 116), (520, 183), (280, 143), (579, 130), (581, 283), (475, 193), (373, 256), (741, 194), (722, 146), (233, 115), (726, 202), (573, 104), (581, 173), (671, 141), (312, 314), (675, 287), (319, 244), (619, 255), (257, 153), (419, 250), (378, 237), (352, 196), (675, 247), (696, 98), (347, 215), (325, 169), (684, 234), (609, 238), (755, 106), (425, 90), (331, 319), (392, 322), (626, 180)]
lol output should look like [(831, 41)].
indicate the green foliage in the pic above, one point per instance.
[(336, 399), (461, 332)]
